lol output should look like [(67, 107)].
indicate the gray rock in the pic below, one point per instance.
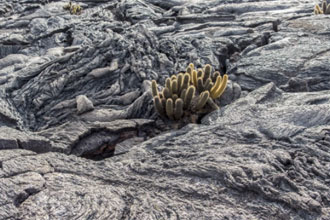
[(14, 139), (84, 104), (263, 155), (12, 59)]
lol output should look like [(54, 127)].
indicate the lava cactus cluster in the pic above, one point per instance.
[(74, 9), (190, 93), (324, 9)]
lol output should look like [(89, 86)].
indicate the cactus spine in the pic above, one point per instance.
[(158, 105), (167, 94), (327, 10), (216, 85), (221, 89), (174, 86), (323, 9), (202, 99), (215, 76), (194, 78), (317, 10), (200, 86), (192, 66), (154, 88), (180, 82), (200, 73), (207, 72), (183, 94), (186, 79), (324, 6), (178, 109), (211, 103), (163, 101), (207, 84), (189, 96), (169, 108)]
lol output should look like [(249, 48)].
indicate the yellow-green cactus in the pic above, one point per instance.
[(174, 86), (194, 77), (186, 80), (183, 94), (189, 93), (158, 105), (166, 93), (180, 81), (178, 110), (169, 108), (202, 99), (74, 9), (212, 104), (200, 87), (188, 96), (207, 72), (175, 97), (323, 9), (208, 84), (154, 88), (217, 91)]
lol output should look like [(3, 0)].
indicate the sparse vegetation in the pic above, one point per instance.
[(323, 9), (74, 9), (189, 94)]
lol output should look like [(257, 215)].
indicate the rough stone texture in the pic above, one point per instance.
[(84, 104), (264, 155)]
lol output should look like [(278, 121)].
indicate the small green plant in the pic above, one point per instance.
[(74, 9), (323, 9), (189, 94)]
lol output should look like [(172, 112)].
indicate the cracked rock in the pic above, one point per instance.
[(80, 138)]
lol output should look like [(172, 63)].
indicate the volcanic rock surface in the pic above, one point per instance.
[(80, 139)]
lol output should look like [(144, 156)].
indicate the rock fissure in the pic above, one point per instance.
[(80, 138)]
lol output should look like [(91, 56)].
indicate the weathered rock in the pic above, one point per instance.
[(263, 155), (14, 139), (84, 104)]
